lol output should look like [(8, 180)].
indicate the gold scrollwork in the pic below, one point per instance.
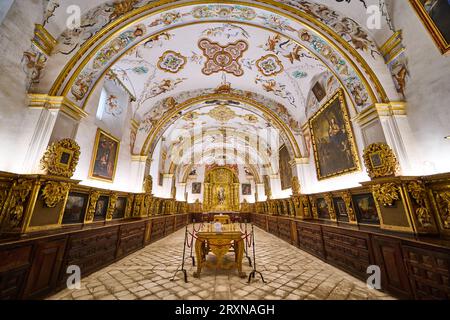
[(54, 192), (418, 193), (443, 203), (295, 186), (386, 193), (148, 184), (347, 197), (14, 205), (380, 161), (93, 198), (61, 158), (111, 206), (314, 210), (329, 200)]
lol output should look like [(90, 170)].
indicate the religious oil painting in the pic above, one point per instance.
[(366, 211), (332, 138), (196, 187), (322, 209), (435, 16), (104, 158), (246, 189), (285, 168), (119, 210), (75, 208), (101, 208)]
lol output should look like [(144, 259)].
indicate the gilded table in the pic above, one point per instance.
[(220, 244)]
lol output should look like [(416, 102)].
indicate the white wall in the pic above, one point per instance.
[(427, 92)]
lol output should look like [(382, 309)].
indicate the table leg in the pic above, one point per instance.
[(239, 256), (199, 255)]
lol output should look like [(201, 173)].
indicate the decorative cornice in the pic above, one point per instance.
[(43, 39), (44, 101), (391, 43), (377, 110), (138, 158)]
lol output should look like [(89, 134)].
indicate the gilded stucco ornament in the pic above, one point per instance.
[(443, 203), (148, 184), (112, 206), (54, 192), (92, 205), (418, 193), (347, 197), (13, 208), (380, 161), (329, 200), (386, 193), (295, 186), (61, 158)]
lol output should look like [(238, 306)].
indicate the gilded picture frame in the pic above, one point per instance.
[(434, 15), (334, 146), (103, 163)]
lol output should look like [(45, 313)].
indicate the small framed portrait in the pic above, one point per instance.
[(196, 188), (319, 91), (376, 160), (104, 157), (65, 157), (75, 208), (101, 208), (341, 209), (435, 16), (246, 189), (322, 209), (366, 211), (119, 210)]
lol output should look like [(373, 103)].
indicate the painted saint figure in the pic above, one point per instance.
[(221, 195)]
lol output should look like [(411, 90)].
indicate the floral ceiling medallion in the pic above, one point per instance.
[(222, 113), (269, 65), (172, 61), (222, 58)]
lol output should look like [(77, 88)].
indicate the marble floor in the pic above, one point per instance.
[(289, 272)]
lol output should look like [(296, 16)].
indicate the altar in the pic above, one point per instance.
[(219, 243)]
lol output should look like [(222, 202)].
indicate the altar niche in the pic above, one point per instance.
[(221, 192)]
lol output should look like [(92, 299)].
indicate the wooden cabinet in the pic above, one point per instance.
[(389, 257), (309, 237)]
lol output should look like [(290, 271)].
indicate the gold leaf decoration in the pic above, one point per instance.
[(14, 206), (295, 186), (443, 202), (111, 206), (347, 197), (148, 184), (92, 205), (418, 193), (386, 193), (329, 200), (54, 192), (61, 158), (380, 161)]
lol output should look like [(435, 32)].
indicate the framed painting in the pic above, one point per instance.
[(334, 147), (75, 208), (322, 209), (101, 208), (285, 168), (196, 188), (246, 189), (319, 91), (119, 210), (435, 16), (104, 157), (341, 209), (366, 211)]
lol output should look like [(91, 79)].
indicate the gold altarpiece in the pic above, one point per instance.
[(221, 192)]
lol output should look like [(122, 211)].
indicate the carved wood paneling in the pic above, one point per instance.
[(46, 267), (348, 250), (131, 238), (388, 256), (157, 229), (310, 239), (272, 225), (429, 272), (14, 266), (91, 250), (169, 225), (284, 229)]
